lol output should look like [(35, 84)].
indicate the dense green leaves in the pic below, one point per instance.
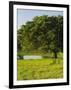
[(43, 33)]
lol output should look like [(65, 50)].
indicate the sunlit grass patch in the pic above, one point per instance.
[(39, 69)]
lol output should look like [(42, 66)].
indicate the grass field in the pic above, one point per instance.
[(39, 69)]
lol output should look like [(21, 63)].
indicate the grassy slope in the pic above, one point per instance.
[(39, 69)]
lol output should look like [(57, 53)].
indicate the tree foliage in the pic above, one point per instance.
[(43, 33)]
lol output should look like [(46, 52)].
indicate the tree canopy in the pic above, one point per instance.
[(43, 33)]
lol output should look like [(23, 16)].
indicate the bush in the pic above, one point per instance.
[(19, 55)]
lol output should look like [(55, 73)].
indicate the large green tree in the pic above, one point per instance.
[(43, 33)]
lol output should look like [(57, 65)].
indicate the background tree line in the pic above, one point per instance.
[(42, 33)]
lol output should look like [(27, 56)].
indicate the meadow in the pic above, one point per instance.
[(42, 36), (46, 68)]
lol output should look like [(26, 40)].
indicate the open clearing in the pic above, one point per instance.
[(39, 69)]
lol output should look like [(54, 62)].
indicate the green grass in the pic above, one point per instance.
[(39, 69)]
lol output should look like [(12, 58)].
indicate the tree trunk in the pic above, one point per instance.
[(55, 56)]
